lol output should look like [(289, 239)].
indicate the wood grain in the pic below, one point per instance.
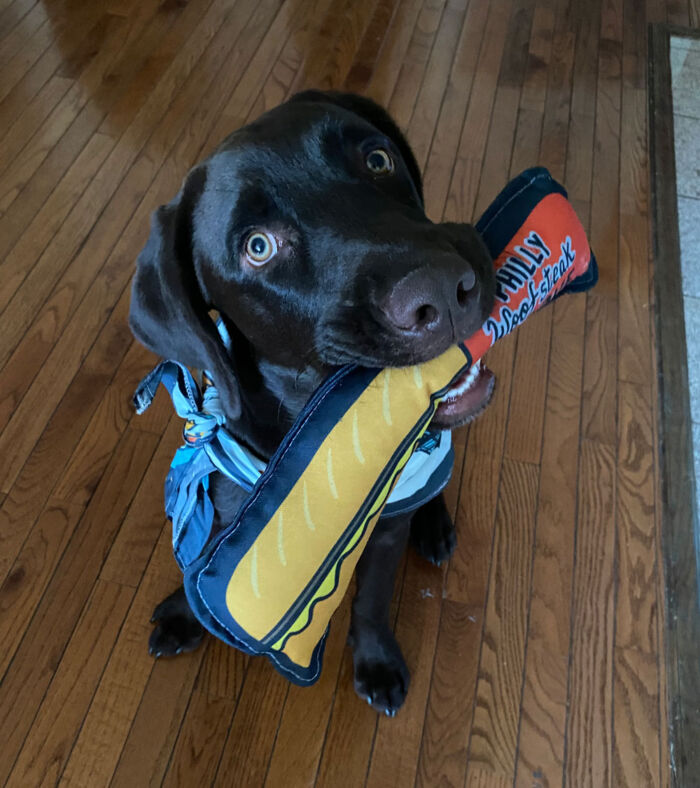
[(589, 723), (31, 572), (52, 624), (544, 703), (396, 745), (304, 721), (54, 728), (118, 696), (443, 754), (499, 686)]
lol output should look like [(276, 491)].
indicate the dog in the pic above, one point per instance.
[(306, 232)]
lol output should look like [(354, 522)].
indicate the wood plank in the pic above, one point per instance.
[(22, 32), (116, 700), (544, 703), (636, 719), (694, 12), (33, 114), (13, 11), (85, 318), (397, 743), (195, 751), (253, 730), (467, 167), (145, 520), (147, 39), (634, 333), (588, 756), (272, 66), (443, 754), (350, 736), (352, 27), (26, 73), (432, 89), (438, 170), (600, 375), (585, 23), (53, 731), (48, 461), (33, 234), (108, 423), (349, 741), (363, 65), (207, 721), (29, 494), (390, 60), (157, 722), (89, 94), (302, 731), (499, 686), (525, 151), (636, 611), (40, 651), (104, 188), (414, 67), (31, 573), (53, 41)]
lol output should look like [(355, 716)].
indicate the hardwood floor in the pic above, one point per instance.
[(537, 654)]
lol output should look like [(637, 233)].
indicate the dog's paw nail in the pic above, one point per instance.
[(388, 712), (368, 698)]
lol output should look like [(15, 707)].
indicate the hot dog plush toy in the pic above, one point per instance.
[(270, 581)]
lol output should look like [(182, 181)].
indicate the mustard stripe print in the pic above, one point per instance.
[(356, 438), (280, 538), (307, 512), (331, 480), (418, 377), (254, 572), (385, 399)]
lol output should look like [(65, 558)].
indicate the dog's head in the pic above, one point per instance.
[(305, 231)]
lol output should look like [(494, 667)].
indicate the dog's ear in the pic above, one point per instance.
[(376, 115), (169, 313)]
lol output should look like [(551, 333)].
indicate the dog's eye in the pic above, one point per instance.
[(379, 162), (260, 247)]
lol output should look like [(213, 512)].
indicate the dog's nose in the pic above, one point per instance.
[(425, 301)]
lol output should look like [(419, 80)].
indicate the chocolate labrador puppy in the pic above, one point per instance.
[(305, 231)]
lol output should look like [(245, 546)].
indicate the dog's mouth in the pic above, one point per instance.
[(467, 398)]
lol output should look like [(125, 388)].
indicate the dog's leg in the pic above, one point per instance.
[(176, 629), (381, 675), (433, 532)]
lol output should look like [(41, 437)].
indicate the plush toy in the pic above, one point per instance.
[(270, 581)]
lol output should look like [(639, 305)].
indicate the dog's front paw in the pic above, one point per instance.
[(177, 631), (381, 676), (432, 531)]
